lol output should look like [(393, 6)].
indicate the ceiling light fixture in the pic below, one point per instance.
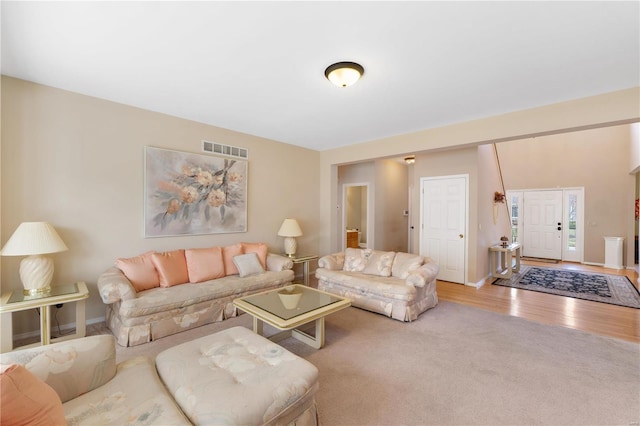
[(410, 159), (344, 74)]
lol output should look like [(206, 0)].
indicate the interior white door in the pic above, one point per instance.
[(542, 224), (443, 225)]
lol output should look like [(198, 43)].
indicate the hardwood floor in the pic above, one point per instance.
[(600, 318)]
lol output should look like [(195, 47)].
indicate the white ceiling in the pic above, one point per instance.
[(258, 67)]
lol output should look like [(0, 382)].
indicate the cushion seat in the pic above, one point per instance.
[(238, 377), (388, 287), (159, 299)]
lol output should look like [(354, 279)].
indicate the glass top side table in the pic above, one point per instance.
[(304, 259), (16, 301)]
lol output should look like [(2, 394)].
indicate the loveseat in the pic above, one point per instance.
[(231, 377), (154, 295), (398, 285)]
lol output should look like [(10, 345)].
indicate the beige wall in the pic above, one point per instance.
[(594, 159), (634, 158), (77, 162), (391, 201), (388, 197), (489, 231)]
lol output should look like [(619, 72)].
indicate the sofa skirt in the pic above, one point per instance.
[(399, 309), (147, 329)]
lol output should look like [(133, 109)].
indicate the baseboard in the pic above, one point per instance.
[(593, 264), (63, 327), (479, 283), (539, 259), (96, 320)]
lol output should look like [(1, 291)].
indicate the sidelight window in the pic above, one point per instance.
[(572, 206)]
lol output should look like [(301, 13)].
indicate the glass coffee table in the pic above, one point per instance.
[(289, 308)]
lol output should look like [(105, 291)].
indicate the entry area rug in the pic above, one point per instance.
[(605, 288)]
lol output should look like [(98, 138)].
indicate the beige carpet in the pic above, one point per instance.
[(460, 365)]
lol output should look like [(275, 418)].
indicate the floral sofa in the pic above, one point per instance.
[(398, 285), (154, 295), (232, 377)]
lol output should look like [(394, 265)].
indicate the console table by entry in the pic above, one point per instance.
[(502, 260), (15, 301)]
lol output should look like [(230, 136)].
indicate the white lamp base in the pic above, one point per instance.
[(36, 273), (290, 246)]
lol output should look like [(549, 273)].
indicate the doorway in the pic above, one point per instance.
[(356, 218), (548, 223), (444, 223)]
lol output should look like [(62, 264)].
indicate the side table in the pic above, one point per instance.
[(15, 301), (305, 264), (502, 265)]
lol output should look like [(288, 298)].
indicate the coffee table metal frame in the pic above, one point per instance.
[(290, 327)]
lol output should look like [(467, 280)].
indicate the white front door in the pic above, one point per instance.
[(443, 226), (543, 224)]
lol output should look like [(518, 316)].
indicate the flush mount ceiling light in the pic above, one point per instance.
[(344, 74), (410, 159)]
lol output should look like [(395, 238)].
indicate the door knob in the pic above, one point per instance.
[(461, 236)]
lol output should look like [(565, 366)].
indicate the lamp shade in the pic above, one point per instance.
[(290, 228), (33, 238)]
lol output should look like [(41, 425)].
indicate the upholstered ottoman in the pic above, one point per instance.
[(236, 377)]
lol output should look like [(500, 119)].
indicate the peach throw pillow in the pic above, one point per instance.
[(228, 253), (172, 267), (27, 400), (140, 271), (261, 249), (204, 264)]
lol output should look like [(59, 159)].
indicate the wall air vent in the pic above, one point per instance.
[(227, 150)]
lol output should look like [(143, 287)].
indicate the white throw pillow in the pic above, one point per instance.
[(379, 263), (248, 264), (404, 263)]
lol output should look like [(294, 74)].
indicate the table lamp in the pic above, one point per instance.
[(290, 229), (33, 239)]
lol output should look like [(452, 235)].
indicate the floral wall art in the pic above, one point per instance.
[(189, 194)]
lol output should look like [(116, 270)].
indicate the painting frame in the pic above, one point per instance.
[(193, 194)]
